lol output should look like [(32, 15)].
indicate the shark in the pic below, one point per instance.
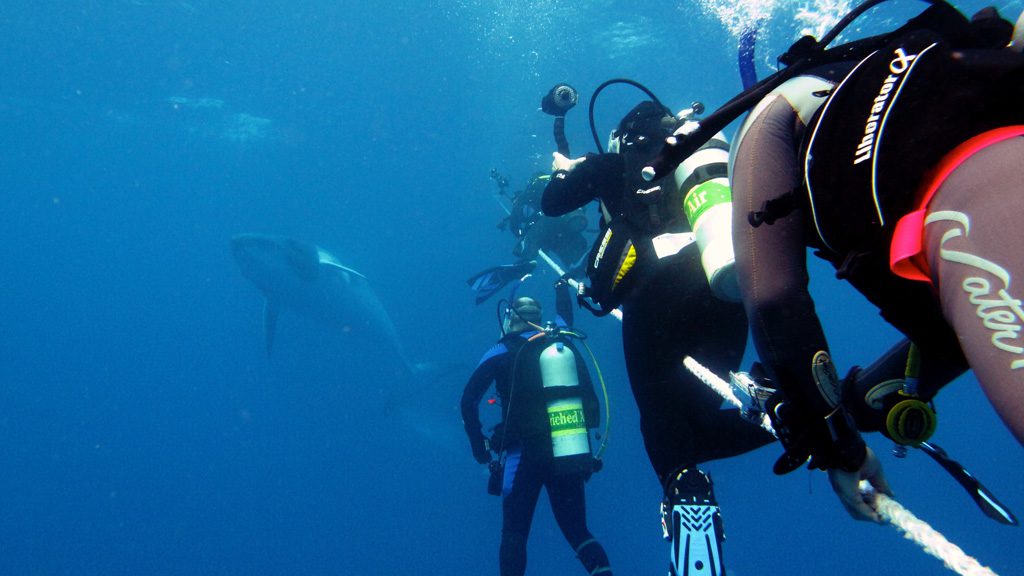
[(305, 279), (309, 280)]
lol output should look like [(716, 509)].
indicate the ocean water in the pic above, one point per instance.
[(144, 429)]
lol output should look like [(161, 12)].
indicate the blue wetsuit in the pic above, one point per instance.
[(525, 447)]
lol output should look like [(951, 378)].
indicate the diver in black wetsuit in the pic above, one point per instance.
[(560, 236), (668, 308), (905, 174), (524, 441)]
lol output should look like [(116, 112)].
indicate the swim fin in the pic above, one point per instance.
[(487, 282), (693, 523), (987, 501)]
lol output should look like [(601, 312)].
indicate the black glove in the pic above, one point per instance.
[(497, 438), (595, 465), (481, 452), (829, 442), (843, 447)]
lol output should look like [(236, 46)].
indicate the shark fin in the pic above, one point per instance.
[(270, 312)]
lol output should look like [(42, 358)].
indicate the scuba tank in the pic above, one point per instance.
[(570, 441), (707, 201), (703, 181)]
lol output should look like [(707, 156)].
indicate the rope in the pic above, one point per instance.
[(931, 541), (913, 528), (722, 388)]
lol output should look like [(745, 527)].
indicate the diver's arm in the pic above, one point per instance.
[(569, 190), (868, 393), (473, 393), (861, 383), (771, 258), (771, 263), (772, 268)]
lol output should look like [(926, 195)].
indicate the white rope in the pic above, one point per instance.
[(913, 528), (932, 542), (722, 388)]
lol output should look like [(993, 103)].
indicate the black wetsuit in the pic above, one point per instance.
[(560, 236), (526, 449), (973, 221), (668, 313)]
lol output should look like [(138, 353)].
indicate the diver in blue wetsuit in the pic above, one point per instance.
[(548, 404)]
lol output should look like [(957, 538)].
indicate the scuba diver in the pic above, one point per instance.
[(897, 159), (664, 255), (548, 404), (561, 236)]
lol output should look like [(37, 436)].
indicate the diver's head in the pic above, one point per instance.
[(643, 130), (525, 310)]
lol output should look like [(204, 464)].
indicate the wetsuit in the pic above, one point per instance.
[(971, 236), (668, 313), (524, 443), (560, 236)]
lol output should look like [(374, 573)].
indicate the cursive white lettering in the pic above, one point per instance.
[(1001, 314)]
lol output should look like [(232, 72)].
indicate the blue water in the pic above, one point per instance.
[(143, 429)]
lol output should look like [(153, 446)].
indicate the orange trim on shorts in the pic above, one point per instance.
[(906, 253)]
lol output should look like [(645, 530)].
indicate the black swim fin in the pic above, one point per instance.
[(987, 501)]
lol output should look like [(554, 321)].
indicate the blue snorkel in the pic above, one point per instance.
[(745, 57)]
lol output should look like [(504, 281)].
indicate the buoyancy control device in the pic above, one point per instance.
[(700, 184)]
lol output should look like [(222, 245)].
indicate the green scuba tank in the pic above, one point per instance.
[(570, 442), (707, 201)]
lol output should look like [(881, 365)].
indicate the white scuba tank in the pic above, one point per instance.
[(569, 435), (707, 203), (1017, 40)]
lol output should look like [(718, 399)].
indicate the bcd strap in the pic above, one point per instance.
[(774, 209), (609, 267)]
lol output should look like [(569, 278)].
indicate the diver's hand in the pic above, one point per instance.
[(845, 485), (481, 452), (562, 162)]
